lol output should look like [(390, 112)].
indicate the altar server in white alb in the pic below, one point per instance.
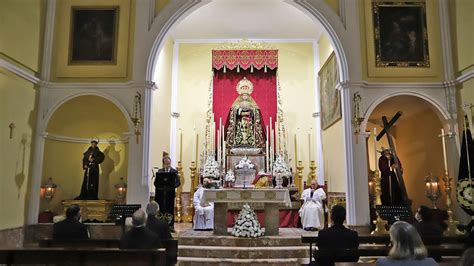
[(204, 212), (312, 210)]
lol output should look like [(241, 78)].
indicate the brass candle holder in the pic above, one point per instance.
[(312, 171), (452, 224), (178, 206), (379, 223), (189, 216), (299, 174)]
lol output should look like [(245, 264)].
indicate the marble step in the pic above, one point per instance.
[(198, 261), (230, 252)]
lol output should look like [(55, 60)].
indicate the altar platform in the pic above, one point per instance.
[(205, 248)]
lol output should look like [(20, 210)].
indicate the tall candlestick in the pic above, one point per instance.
[(267, 163), (197, 148), (375, 149), (309, 146), (180, 145), (271, 135), (298, 141), (219, 146), (272, 151), (444, 151), (194, 145)]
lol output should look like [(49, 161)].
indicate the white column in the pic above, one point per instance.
[(174, 103), (318, 136)]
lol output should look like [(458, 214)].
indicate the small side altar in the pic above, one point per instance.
[(91, 209), (271, 198)]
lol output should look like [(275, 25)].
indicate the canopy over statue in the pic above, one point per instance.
[(244, 126)]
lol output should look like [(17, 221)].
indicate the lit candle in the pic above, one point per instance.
[(271, 134), (194, 144), (180, 145), (444, 151), (375, 149), (219, 145)]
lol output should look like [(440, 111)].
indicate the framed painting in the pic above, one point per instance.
[(93, 35), (329, 96), (400, 34)]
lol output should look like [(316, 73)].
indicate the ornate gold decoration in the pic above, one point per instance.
[(91, 209), (357, 119), (189, 216), (299, 174), (137, 114), (312, 171), (245, 44), (379, 223), (452, 224), (178, 209), (244, 86)]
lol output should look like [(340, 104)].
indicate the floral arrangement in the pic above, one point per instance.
[(247, 224), (229, 176), (280, 167), (245, 163), (211, 168)]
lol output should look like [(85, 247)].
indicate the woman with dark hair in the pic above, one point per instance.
[(407, 249)]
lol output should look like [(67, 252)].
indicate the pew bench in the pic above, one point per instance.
[(170, 245), (81, 256), (454, 247)]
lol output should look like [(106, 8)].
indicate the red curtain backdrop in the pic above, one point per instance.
[(264, 92)]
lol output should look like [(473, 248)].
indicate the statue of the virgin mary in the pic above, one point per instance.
[(244, 127)]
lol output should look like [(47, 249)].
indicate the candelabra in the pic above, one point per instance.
[(452, 224), (299, 174), (357, 119), (137, 114), (312, 171), (379, 223), (189, 216)]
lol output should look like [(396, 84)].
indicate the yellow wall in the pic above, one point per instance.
[(333, 137), (161, 106), (61, 70), (434, 73), (84, 117), (18, 105), (21, 28), (296, 76), (462, 23)]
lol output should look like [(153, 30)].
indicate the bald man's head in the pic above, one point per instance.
[(139, 218)]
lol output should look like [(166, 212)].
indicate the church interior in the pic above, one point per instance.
[(249, 123)]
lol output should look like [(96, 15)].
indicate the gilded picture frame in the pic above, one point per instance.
[(330, 97), (400, 34), (93, 35)]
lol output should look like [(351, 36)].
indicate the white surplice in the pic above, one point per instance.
[(312, 211), (203, 214)]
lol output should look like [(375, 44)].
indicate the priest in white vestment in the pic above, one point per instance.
[(312, 210), (203, 212)]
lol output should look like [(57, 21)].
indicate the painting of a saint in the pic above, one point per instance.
[(93, 35), (330, 97), (400, 34)]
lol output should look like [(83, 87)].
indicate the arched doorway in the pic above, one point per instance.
[(417, 143), (320, 14), (67, 134)]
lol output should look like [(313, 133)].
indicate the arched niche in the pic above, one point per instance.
[(417, 143), (67, 136)]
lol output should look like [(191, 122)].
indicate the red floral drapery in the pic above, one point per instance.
[(244, 59)]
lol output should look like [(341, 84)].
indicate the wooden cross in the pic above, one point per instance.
[(11, 126), (386, 131)]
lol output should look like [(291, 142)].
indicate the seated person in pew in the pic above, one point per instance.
[(337, 237), (156, 225), (467, 258), (139, 237), (312, 210), (203, 212), (71, 227), (425, 225), (407, 247)]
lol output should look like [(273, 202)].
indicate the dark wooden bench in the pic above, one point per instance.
[(170, 245), (432, 244), (61, 256)]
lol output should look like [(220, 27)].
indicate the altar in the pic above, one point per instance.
[(271, 198)]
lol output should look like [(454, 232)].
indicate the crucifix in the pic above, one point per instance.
[(386, 131), (11, 126)]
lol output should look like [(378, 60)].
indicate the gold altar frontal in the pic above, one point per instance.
[(91, 209)]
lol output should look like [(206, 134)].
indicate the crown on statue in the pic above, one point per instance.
[(244, 86)]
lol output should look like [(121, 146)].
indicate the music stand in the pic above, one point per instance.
[(393, 213), (119, 212)]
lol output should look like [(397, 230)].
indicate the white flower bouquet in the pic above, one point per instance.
[(247, 224), (211, 168), (245, 163), (280, 171)]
